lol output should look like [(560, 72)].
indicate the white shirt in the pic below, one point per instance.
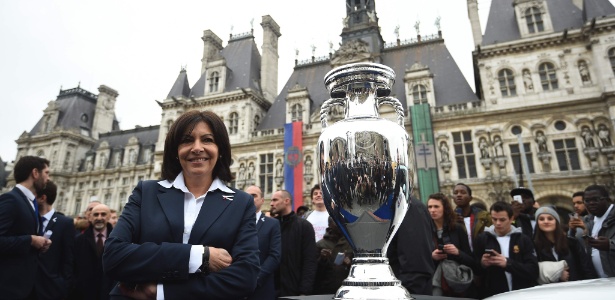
[(192, 207), (258, 215), (504, 242), (28, 194), (320, 222), (47, 217), (595, 252), (467, 221)]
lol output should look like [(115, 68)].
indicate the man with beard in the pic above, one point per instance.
[(576, 224), (55, 268), (20, 243), (91, 282), (601, 230), (298, 266)]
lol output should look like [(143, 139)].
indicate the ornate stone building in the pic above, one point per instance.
[(545, 88)]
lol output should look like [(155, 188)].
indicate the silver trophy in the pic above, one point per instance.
[(364, 175)]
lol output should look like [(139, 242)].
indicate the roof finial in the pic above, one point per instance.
[(397, 31), (79, 84), (438, 23), (252, 25), (313, 49), (417, 26)]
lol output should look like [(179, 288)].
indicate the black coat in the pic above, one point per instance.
[(522, 263), (90, 281), (459, 238), (54, 278), (410, 250), (298, 267), (579, 262)]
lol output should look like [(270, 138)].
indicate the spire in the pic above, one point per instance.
[(361, 23), (180, 88)]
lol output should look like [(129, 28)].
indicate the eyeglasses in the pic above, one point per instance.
[(593, 200)]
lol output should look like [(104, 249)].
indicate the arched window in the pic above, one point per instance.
[(533, 18), (612, 59), (548, 76), (214, 79), (296, 113), (233, 123), (507, 83), (419, 94)]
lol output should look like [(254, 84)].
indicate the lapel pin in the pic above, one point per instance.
[(55, 219), (228, 197)]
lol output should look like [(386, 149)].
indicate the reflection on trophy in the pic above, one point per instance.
[(365, 180)]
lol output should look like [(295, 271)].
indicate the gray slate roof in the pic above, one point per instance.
[(181, 86), (449, 83), (119, 139), (502, 25), (244, 65), (72, 104)]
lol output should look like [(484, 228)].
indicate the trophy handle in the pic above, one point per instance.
[(324, 109), (396, 105)]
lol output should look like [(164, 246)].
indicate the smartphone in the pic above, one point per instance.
[(518, 198), (491, 252), (339, 258), (573, 216), (441, 247)]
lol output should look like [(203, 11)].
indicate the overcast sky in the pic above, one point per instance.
[(137, 47)]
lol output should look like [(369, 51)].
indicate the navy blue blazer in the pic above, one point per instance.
[(18, 259), (146, 243), (270, 247), (55, 267)]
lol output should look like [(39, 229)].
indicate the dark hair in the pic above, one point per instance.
[(449, 215), (50, 190), (467, 188), (543, 244), (502, 206), (315, 187), (286, 194), (24, 166), (304, 208), (600, 188), (184, 125), (577, 194)]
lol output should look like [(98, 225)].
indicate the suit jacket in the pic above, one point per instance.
[(270, 247), (55, 267), (18, 259), (146, 244), (90, 281)]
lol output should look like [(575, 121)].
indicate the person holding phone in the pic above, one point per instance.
[(552, 245), (523, 210), (471, 218), (334, 260), (452, 240), (506, 255), (601, 229), (578, 219)]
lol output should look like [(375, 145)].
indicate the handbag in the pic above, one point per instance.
[(452, 277)]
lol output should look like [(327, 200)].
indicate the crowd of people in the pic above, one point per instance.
[(190, 236)]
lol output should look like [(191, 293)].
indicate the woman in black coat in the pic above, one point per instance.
[(552, 245), (451, 238)]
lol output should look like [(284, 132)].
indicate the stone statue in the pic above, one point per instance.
[(103, 161), (484, 148), (588, 137), (132, 157), (307, 165), (527, 80), (88, 164), (279, 168), (251, 170), (444, 152), (117, 159), (541, 140), (584, 72), (242, 172), (604, 135), (497, 146)]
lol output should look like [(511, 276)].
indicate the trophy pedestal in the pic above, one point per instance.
[(371, 278)]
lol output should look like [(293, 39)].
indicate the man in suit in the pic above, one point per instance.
[(55, 267), (270, 246), (19, 242), (91, 282)]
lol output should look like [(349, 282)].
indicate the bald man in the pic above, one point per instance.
[(91, 281)]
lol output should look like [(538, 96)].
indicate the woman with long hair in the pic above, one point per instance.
[(451, 238), (552, 244)]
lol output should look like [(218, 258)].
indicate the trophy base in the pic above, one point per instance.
[(371, 278)]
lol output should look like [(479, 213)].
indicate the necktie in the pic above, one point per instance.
[(41, 225), (99, 244), (36, 214)]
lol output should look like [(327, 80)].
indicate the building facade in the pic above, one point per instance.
[(542, 115)]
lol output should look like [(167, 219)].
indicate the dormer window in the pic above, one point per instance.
[(296, 113), (507, 83), (533, 18), (233, 123), (419, 94), (214, 81)]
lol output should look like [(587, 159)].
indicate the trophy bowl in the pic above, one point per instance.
[(364, 175)]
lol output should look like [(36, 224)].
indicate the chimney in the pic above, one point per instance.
[(211, 48), (475, 22), (269, 59)]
